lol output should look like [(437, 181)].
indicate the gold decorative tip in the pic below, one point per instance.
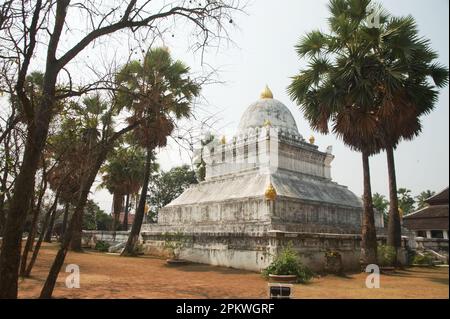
[(267, 123), (312, 139), (267, 93), (270, 193), (223, 140)]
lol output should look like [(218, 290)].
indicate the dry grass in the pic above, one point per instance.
[(111, 276)]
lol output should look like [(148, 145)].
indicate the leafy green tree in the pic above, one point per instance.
[(157, 92), (104, 221), (422, 197), (405, 201), (91, 211), (166, 186)]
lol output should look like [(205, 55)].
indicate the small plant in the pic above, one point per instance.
[(333, 262), (174, 242), (332, 254), (424, 259), (386, 255), (288, 263), (139, 249), (102, 246)]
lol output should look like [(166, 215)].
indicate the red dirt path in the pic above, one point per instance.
[(111, 276)]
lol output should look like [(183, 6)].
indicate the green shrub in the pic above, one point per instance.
[(102, 246), (386, 255), (174, 242), (422, 259), (288, 263), (139, 249)]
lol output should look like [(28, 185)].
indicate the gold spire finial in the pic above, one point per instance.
[(267, 93), (270, 193), (267, 123), (223, 140), (312, 139)]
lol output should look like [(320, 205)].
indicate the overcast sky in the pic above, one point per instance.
[(263, 53)]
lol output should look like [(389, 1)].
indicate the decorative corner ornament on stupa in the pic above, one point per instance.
[(270, 193)]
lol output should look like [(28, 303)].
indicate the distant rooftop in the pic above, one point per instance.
[(434, 216), (440, 198)]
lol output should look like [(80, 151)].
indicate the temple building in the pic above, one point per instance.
[(432, 220), (264, 188)]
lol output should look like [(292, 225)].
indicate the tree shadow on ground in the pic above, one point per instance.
[(194, 267), (443, 281), (340, 276), (425, 270)]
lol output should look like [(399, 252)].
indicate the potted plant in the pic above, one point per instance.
[(288, 268), (174, 242)]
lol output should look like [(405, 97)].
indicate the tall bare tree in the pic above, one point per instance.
[(32, 23)]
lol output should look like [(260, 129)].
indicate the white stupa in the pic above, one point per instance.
[(265, 186)]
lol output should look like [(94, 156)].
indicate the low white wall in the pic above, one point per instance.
[(91, 237), (256, 251)]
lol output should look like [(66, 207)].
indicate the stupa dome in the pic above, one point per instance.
[(268, 111)]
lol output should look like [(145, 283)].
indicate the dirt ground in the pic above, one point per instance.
[(111, 276)]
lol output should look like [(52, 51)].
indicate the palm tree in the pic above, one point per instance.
[(406, 202), (123, 175), (406, 88), (335, 93), (157, 92), (65, 176), (422, 197), (381, 204)]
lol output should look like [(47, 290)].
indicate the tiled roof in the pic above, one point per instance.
[(428, 218), (439, 199)]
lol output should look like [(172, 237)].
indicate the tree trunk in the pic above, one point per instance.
[(369, 235), (3, 186), (29, 243), (50, 212), (22, 194), (49, 231), (77, 230), (133, 237), (47, 289), (30, 239), (125, 217), (65, 219), (394, 227), (117, 208), (37, 131)]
